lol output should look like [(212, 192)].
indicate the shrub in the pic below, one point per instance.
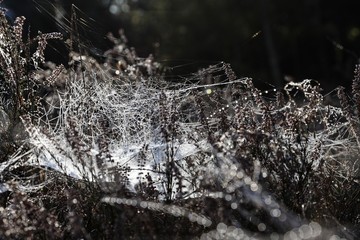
[(114, 149)]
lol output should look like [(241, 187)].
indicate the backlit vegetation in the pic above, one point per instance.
[(112, 148)]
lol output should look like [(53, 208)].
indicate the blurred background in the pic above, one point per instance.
[(270, 41)]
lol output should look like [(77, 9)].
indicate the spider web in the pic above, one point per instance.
[(110, 124)]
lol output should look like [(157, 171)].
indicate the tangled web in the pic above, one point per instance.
[(118, 122), (112, 128)]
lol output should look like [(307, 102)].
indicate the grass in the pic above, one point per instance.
[(111, 148)]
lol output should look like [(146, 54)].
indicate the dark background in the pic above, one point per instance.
[(271, 41)]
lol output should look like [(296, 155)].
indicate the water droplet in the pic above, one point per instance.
[(221, 228), (228, 197), (316, 229), (305, 231), (262, 227), (274, 236), (254, 187), (275, 212)]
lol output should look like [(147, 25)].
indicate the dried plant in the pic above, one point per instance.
[(113, 149)]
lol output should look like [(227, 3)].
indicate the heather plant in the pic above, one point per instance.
[(114, 149), (20, 91)]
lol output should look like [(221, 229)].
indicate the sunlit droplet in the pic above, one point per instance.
[(240, 175), (275, 212), (254, 187), (262, 227), (247, 180), (114, 9), (221, 228), (274, 236), (234, 205), (228, 197), (316, 229), (305, 231)]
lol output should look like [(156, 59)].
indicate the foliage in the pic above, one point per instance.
[(115, 149)]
